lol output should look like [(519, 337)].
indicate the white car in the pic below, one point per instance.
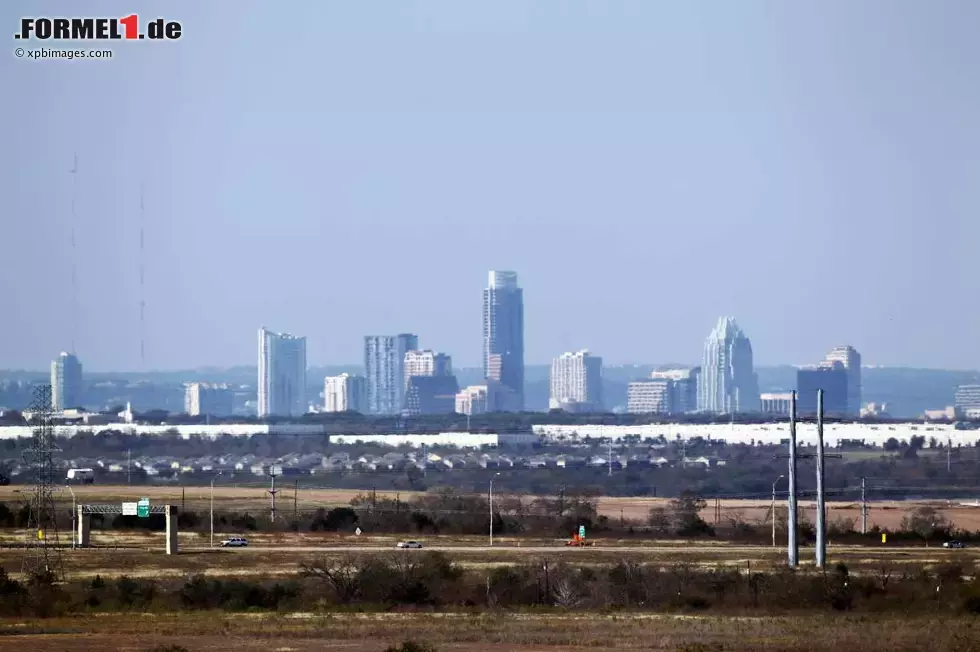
[(235, 542), (409, 544)]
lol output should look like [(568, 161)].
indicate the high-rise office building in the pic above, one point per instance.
[(427, 363), (684, 396), (472, 400), (654, 396), (431, 395), (384, 366), (66, 382), (727, 383), (832, 378), (503, 333), (576, 382), (851, 359), (967, 398), (208, 398), (345, 393), (282, 374)]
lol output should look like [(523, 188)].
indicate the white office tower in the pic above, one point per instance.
[(727, 383), (851, 359), (576, 382), (66, 382), (654, 396), (472, 400), (345, 393), (384, 366), (208, 399), (282, 374), (427, 363)]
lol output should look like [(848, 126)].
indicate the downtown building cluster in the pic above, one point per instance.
[(400, 377), (726, 382)]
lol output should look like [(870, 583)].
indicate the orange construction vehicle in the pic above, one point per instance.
[(578, 541)]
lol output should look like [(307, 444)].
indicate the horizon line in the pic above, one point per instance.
[(675, 365)]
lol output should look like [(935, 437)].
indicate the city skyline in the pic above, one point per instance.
[(663, 388)]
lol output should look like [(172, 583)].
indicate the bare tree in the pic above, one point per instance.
[(926, 521), (659, 520), (341, 576), (883, 574), (565, 594)]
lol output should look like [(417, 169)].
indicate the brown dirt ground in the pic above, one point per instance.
[(520, 632)]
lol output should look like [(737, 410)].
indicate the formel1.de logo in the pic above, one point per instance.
[(98, 29)]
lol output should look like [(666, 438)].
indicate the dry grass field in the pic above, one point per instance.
[(887, 515), (141, 555), (490, 632), (281, 555)]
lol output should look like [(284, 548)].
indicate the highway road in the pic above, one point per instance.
[(698, 550)]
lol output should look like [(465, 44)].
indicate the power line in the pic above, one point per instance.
[(142, 291), (74, 256)]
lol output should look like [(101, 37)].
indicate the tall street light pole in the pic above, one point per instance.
[(491, 509), (74, 511), (774, 509), (212, 506)]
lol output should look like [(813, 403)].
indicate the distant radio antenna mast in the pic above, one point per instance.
[(142, 293), (74, 256)]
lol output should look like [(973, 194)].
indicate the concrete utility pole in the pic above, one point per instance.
[(272, 492), (774, 509), (864, 509), (74, 511), (491, 509), (821, 502), (212, 506), (793, 550)]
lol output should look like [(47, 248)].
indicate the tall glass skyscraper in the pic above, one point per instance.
[(503, 334), (384, 366), (282, 374), (727, 383), (66, 382), (851, 359)]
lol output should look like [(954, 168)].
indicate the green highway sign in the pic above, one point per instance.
[(143, 508)]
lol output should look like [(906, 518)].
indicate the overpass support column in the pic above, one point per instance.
[(84, 534), (171, 512)]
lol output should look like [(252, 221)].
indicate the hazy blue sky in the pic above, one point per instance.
[(341, 168)]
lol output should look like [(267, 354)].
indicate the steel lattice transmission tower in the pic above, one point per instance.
[(43, 555)]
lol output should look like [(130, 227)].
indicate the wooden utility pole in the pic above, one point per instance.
[(864, 509), (821, 503)]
